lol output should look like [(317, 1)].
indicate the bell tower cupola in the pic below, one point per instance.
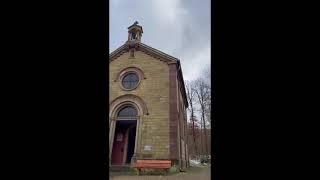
[(134, 38), (135, 33)]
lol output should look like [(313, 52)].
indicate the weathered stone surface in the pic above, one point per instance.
[(154, 91)]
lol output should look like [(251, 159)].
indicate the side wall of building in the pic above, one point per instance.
[(178, 120), (182, 127)]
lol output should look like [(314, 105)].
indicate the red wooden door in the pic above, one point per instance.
[(118, 148)]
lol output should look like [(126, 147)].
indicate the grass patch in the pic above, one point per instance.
[(144, 171), (132, 171), (172, 171), (194, 169), (152, 172)]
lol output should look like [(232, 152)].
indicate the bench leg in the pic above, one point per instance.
[(165, 172), (138, 173)]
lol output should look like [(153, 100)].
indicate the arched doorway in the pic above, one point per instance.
[(124, 140)]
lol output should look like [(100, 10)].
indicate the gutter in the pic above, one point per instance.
[(183, 85)]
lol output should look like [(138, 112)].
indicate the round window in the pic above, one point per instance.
[(130, 81)]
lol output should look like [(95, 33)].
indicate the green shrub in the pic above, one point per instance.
[(173, 169), (133, 171)]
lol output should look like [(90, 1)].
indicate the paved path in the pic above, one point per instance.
[(194, 173)]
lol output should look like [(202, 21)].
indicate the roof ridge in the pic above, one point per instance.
[(146, 47), (156, 50), (116, 50)]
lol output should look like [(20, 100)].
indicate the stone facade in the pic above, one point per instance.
[(159, 99), (154, 90)]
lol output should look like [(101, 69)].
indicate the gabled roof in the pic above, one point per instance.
[(156, 54), (144, 48)]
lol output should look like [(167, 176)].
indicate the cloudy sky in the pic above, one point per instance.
[(180, 28)]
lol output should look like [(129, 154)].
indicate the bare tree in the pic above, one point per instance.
[(207, 80), (207, 76), (199, 100), (208, 107), (191, 100), (202, 91), (194, 134)]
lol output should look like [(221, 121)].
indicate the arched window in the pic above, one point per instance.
[(133, 36), (127, 111)]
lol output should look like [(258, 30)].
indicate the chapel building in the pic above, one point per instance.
[(147, 115)]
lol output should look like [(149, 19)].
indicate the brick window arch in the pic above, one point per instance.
[(129, 78), (127, 100)]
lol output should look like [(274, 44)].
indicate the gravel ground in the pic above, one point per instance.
[(193, 173)]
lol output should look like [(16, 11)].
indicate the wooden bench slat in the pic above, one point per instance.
[(154, 164), (153, 161), (142, 164), (160, 167), (157, 167)]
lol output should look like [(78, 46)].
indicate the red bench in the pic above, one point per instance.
[(153, 164)]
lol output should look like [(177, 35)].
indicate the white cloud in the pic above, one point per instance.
[(180, 28), (168, 11), (193, 63), (114, 3)]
